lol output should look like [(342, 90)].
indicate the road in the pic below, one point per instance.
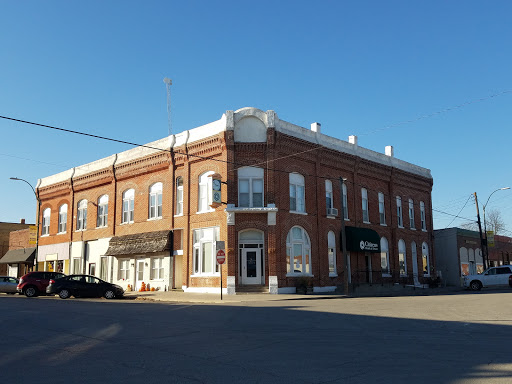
[(459, 338)]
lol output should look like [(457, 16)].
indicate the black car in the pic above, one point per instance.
[(83, 286)]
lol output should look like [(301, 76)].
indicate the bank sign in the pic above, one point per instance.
[(361, 239), (368, 246)]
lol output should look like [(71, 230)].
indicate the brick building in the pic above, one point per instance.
[(21, 254), (5, 230), (145, 215), (501, 252)]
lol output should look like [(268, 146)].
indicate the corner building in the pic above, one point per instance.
[(146, 216)]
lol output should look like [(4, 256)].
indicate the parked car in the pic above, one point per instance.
[(83, 286), (492, 277), (8, 284), (35, 283), (510, 280)]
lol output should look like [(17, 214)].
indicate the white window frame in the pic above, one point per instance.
[(128, 207), (297, 193), (412, 223), (345, 202), (254, 177), (329, 203), (425, 255), (399, 212), (81, 215), (384, 256), (204, 193), (201, 238), (364, 203), (402, 254), (155, 201), (102, 219), (179, 196), (423, 217), (45, 230), (104, 268), (63, 219), (382, 209), (157, 268), (123, 271), (292, 243), (331, 254), (77, 268)]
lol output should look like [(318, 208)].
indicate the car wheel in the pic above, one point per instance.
[(64, 294), (109, 294), (30, 291), (475, 285)]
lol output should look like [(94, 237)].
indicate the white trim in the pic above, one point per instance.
[(251, 210), (299, 213)]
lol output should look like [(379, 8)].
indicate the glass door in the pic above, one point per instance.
[(251, 266)]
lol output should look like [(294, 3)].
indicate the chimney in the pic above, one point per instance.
[(22, 221), (352, 139), (389, 151), (315, 127)]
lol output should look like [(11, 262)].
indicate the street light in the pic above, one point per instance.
[(485, 224), (38, 211)]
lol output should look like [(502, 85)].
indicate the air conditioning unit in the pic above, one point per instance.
[(332, 212)]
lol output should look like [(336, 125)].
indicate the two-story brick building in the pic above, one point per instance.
[(145, 215)]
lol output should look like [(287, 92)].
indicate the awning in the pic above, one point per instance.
[(15, 256), (140, 243), (362, 240)]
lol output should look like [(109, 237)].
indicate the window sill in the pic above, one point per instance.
[(127, 222), (296, 274), (206, 275), (386, 275), (383, 225), (103, 226), (48, 235), (81, 230), (299, 213), (333, 275), (413, 229), (424, 230), (61, 233), (331, 217), (155, 218), (366, 222), (251, 209), (400, 227), (403, 275), (209, 211), (180, 215)]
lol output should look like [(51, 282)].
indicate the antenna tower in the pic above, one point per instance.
[(168, 83)]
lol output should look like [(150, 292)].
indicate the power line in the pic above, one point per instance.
[(469, 197)]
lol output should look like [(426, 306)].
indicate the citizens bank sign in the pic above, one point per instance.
[(361, 239)]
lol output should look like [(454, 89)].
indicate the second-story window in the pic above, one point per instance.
[(364, 199), (250, 187), (63, 218), (345, 202), (423, 219), (411, 214), (155, 201), (128, 206), (81, 218), (205, 192), (297, 193), (46, 222), (328, 196), (179, 196), (102, 220), (399, 211), (382, 209)]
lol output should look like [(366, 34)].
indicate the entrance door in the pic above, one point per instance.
[(139, 274), (368, 258), (251, 266)]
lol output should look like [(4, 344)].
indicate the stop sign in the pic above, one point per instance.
[(221, 256)]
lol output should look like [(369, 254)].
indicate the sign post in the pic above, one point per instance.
[(221, 258)]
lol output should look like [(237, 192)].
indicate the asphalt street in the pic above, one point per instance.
[(457, 338)]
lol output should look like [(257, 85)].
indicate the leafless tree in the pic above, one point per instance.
[(494, 222)]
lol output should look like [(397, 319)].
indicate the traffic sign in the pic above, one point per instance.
[(221, 256)]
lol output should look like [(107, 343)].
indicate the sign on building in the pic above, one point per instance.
[(32, 235)]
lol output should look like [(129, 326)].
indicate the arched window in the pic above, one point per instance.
[(426, 259), (179, 196), (384, 256), (128, 206), (331, 253), (46, 222), (250, 187), (297, 194), (298, 252), (63, 218), (102, 220), (402, 262), (81, 217), (155, 201), (205, 192)]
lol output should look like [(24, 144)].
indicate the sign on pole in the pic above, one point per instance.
[(221, 256), (32, 235), (490, 238)]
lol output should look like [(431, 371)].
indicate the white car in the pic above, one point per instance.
[(492, 277)]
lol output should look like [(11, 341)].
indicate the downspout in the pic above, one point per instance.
[(72, 219), (173, 211), (114, 218)]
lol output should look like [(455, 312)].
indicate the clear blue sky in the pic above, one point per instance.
[(368, 68)]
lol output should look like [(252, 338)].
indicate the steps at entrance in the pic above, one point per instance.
[(249, 289)]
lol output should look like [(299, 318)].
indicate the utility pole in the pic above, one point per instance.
[(343, 237), (482, 241)]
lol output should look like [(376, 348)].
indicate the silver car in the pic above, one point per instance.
[(8, 284)]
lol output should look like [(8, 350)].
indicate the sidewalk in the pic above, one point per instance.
[(214, 298)]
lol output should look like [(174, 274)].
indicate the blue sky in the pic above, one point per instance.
[(389, 72)]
